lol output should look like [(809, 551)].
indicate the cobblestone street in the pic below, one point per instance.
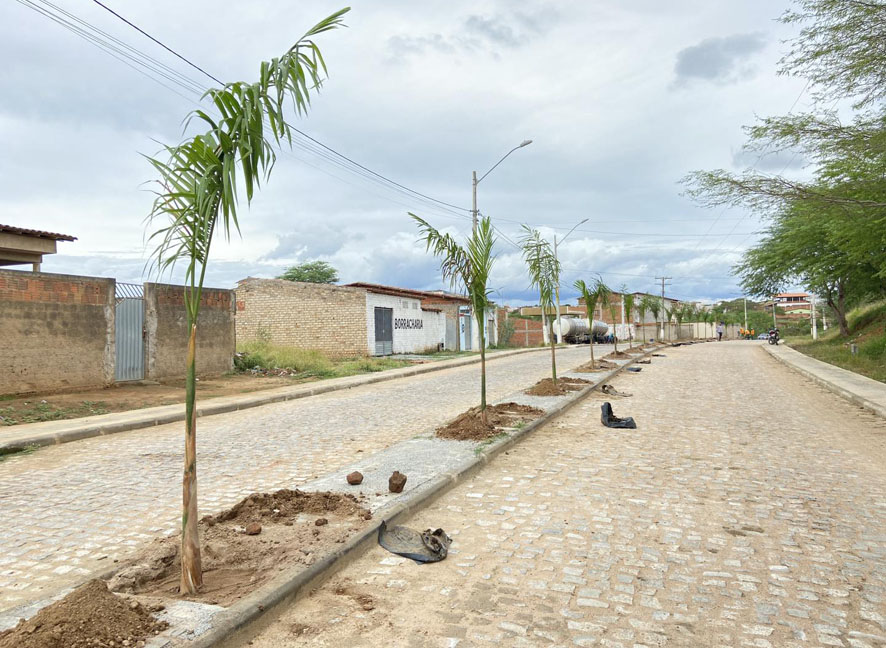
[(747, 509), (72, 509)]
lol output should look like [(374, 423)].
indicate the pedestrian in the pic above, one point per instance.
[(720, 332)]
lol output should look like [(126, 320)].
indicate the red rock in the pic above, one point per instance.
[(253, 528), (355, 478), (397, 482)]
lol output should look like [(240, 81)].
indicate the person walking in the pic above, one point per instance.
[(720, 332)]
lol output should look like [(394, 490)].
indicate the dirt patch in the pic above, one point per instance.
[(470, 427), (617, 355), (88, 617), (599, 365), (546, 387), (236, 563)]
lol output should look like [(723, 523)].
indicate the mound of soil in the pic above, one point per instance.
[(236, 563), (617, 354), (546, 387), (470, 427), (88, 617), (599, 365), (284, 504)]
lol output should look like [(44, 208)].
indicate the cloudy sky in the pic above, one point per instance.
[(620, 102)]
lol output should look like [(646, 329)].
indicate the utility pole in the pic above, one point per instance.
[(824, 318), (663, 283), (745, 313), (814, 324), (474, 213), (774, 323)]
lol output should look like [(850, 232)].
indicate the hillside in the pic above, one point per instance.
[(867, 329)]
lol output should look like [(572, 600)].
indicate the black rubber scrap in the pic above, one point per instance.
[(609, 419), (425, 547), (635, 369)]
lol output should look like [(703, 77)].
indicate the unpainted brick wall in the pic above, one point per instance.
[(527, 333), (325, 317), (166, 328), (56, 331)]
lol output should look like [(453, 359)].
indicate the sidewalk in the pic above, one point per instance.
[(861, 390), (20, 437)]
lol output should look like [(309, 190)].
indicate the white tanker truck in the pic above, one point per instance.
[(575, 329)]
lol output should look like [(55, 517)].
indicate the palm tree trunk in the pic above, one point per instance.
[(553, 353), (482, 370), (591, 338), (192, 571)]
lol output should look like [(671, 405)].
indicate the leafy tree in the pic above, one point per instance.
[(311, 272), (668, 315), (643, 307), (468, 266), (198, 195), (592, 295), (680, 313), (544, 276)]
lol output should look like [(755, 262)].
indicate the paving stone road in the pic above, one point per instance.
[(747, 509), (69, 510)]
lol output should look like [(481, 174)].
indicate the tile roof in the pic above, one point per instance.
[(37, 233)]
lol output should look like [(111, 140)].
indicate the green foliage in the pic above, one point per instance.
[(306, 363), (544, 276), (44, 411), (197, 189), (311, 272), (467, 266), (506, 328)]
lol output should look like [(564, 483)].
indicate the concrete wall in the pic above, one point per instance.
[(166, 326), (56, 331), (328, 318)]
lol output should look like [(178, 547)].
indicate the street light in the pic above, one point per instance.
[(474, 212), (559, 324)]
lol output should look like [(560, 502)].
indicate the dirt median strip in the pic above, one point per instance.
[(241, 621), (36, 435)]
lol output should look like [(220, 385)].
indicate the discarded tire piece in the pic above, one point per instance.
[(647, 361), (609, 390), (635, 369), (659, 355), (609, 419), (397, 482), (355, 478), (427, 546)]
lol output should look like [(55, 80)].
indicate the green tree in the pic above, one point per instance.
[(468, 266), (311, 272), (592, 295), (643, 308), (544, 276), (197, 195), (614, 307)]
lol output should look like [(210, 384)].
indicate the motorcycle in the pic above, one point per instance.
[(773, 336)]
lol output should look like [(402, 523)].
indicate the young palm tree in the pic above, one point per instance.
[(629, 308), (469, 267), (591, 295), (655, 306), (642, 309), (544, 275), (613, 314), (198, 195), (679, 314), (668, 314)]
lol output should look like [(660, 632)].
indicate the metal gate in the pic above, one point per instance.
[(384, 331), (129, 336), (464, 325)]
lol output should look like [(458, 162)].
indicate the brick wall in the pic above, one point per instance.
[(329, 318), (166, 327), (56, 331), (527, 333)]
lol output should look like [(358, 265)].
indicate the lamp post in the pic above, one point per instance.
[(475, 181), (559, 324)]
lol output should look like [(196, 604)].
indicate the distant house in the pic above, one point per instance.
[(794, 304), (20, 246)]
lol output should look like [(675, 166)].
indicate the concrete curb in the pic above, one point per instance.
[(241, 621), (820, 379), (57, 432)]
